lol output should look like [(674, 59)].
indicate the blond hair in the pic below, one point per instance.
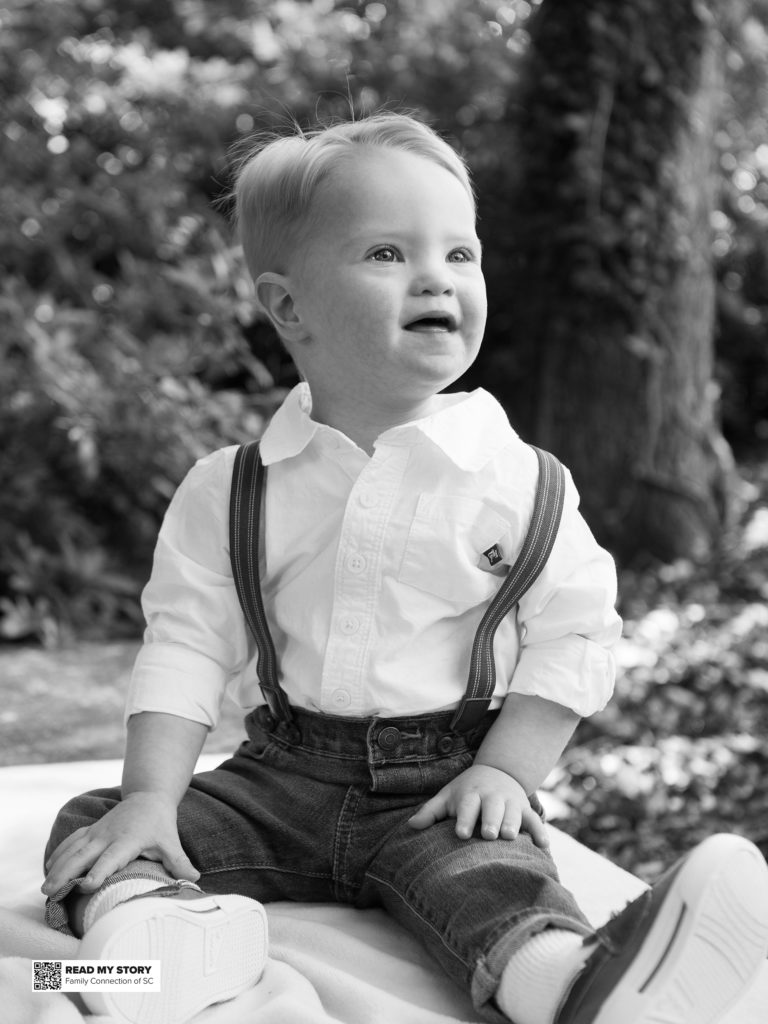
[(279, 176)]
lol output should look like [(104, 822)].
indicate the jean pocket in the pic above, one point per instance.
[(439, 772)]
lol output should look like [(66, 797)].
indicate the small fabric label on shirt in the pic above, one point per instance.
[(493, 554)]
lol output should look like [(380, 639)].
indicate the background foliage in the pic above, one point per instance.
[(129, 344), (679, 753)]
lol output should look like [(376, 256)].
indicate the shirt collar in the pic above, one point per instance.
[(291, 428), (470, 428)]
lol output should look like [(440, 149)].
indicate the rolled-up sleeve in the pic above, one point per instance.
[(195, 640), (568, 621)]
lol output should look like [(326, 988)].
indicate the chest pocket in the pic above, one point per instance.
[(445, 545)]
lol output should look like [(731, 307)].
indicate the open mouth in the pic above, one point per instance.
[(432, 323)]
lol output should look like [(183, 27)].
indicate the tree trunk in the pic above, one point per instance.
[(616, 291)]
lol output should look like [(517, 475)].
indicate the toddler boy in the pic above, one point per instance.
[(390, 515)]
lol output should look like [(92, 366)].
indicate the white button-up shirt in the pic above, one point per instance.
[(378, 571)]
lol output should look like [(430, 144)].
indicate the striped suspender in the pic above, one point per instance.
[(245, 531), (545, 521), (245, 515)]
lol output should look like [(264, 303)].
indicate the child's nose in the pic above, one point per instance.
[(433, 279)]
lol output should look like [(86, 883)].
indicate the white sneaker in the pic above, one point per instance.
[(211, 949), (684, 951)]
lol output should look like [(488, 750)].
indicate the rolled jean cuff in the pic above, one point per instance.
[(490, 967), (56, 913)]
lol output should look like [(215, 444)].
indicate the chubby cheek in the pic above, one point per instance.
[(377, 304), (476, 338), (372, 320), (476, 322)]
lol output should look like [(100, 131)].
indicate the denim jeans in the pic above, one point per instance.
[(317, 810)]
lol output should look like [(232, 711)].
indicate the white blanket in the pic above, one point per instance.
[(328, 964)]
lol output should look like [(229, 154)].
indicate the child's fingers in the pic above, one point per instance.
[(510, 825), (93, 859), (94, 863), (493, 815), (432, 811), (114, 858), (94, 866), (167, 851), (178, 865), (470, 808), (72, 840), (536, 828), (74, 862)]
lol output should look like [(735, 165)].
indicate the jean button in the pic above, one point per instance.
[(389, 738), (445, 744)]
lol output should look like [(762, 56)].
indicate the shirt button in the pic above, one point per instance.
[(356, 564), (349, 624), (368, 498), (341, 698)]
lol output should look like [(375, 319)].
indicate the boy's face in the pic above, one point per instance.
[(387, 285)]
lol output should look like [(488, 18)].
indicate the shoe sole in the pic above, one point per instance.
[(706, 945), (210, 950)]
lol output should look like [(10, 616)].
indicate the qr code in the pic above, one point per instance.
[(46, 975)]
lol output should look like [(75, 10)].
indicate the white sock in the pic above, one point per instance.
[(113, 893), (538, 976)]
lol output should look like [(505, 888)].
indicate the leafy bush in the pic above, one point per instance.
[(98, 429), (123, 308), (127, 332), (677, 754)]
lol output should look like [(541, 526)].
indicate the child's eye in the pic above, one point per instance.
[(385, 254), (461, 256)]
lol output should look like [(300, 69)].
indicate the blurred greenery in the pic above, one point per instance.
[(129, 344), (679, 752)]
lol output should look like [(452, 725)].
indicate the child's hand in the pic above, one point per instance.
[(490, 795), (141, 825)]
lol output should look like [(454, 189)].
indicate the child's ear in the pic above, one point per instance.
[(275, 295)]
